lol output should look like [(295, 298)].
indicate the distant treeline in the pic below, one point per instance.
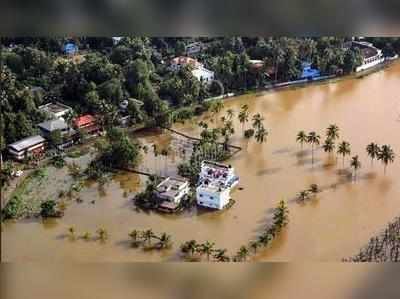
[(35, 71)]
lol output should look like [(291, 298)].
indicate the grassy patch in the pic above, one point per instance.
[(21, 204), (78, 152)]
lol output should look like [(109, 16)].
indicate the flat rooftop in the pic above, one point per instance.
[(171, 184), (52, 125), (54, 107)]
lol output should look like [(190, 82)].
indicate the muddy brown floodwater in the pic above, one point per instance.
[(335, 224)]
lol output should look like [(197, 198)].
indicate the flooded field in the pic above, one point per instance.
[(334, 225)]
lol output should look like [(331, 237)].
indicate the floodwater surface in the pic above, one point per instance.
[(329, 227)]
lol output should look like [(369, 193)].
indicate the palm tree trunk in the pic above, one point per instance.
[(312, 154)]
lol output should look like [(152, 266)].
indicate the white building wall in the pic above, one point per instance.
[(368, 65), (214, 200), (203, 74)]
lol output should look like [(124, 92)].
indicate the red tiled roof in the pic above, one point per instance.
[(185, 61), (84, 120)]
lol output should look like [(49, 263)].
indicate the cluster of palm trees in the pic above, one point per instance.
[(384, 153), (158, 152), (195, 251), (146, 238), (258, 130), (305, 194), (101, 234), (280, 220)]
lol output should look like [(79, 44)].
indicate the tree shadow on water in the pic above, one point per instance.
[(269, 171)]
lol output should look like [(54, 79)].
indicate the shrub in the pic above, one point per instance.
[(48, 208), (12, 208)]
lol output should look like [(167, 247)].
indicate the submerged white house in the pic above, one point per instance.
[(171, 191), (216, 181)]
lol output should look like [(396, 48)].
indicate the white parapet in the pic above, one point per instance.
[(215, 183)]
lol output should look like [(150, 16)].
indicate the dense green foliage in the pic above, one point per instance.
[(12, 207), (48, 209), (117, 151), (35, 71)]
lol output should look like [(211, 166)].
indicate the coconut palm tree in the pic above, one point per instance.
[(227, 131), (244, 115), (135, 235), (86, 236), (281, 217), (373, 151), (332, 132), (220, 255), (207, 248), (254, 245), (261, 134), (328, 145), (303, 195), (248, 134), (314, 189), (71, 231), (203, 125), (164, 153), (164, 241), (265, 238), (216, 108), (386, 155), (155, 153), (355, 164), (301, 138), (102, 234), (313, 138), (257, 121), (344, 149), (242, 253), (147, 235), (230, 113)]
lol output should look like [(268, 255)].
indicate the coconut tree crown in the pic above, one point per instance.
[(386, 155), (332, 132)]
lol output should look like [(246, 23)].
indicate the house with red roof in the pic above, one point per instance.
[(178, 62), (87, 123)]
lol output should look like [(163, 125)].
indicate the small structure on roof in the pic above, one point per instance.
[(87, 123), (30, 146), (171, 191), (55, 110), (215, 183)]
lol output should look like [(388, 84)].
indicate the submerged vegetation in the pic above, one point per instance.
[(193, 251), (21, 204), (150, 240), (383, 248)]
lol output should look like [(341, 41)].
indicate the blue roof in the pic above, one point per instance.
[(309, 71), (70, 48)]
